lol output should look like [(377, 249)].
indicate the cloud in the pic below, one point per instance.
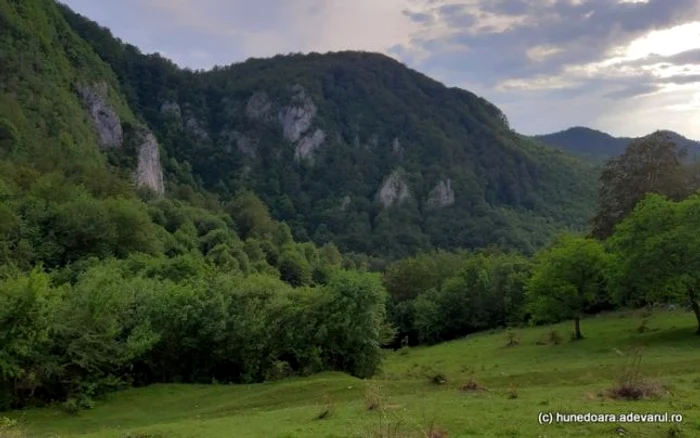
[(632, 91), (497, 38), (232, 31), (541, 52)]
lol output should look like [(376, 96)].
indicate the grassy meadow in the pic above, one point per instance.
[(491, 384)]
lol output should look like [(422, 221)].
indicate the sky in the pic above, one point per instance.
[(626, 67)]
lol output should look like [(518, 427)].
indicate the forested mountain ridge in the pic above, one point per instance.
[(353, 148), (600, 146)]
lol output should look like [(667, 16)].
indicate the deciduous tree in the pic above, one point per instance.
[(567, 278), (651, 164), (658, 251)]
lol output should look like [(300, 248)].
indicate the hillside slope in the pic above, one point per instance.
[(599, 146), (353, 148), (58, 100), (491, 391)]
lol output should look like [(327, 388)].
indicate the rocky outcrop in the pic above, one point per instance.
[(103, 117), (297, 117), (345, 202), (309, 144), (394, 190), (149, 172), (442, 195)]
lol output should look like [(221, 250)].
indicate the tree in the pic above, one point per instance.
[(650, 164), (27, 308), (251, 215), (353, 324), (657, 251), (486, 292), (294, 269), (566, 279), (409, 277)]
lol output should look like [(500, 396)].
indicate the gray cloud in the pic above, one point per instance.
[(632, 91), (493, 42), (581, 32), (688, 57), (419, 17)]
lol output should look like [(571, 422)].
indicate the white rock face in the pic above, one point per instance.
[(309, 144), (394, 190), (442, 195), (103, 117), (345, 202), (296, 118), (149, 172), (171, 109)]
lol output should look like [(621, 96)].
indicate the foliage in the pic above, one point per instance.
[(567, 279), (651, 164), (656, 250), (486, 292)]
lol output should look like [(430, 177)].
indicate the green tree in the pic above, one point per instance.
[(294, 269), (651, 164), (84, 227), (353, 325), (103, 328), (27, 310), (408, 277), (657, 250), (251, 216), (566, 279)]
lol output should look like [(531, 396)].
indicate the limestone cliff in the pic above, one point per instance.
[(394, 190), (103, 117), (295, 120), (149, 172), (442, 195)]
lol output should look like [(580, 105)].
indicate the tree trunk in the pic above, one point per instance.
[(577, 328), (696, 308)]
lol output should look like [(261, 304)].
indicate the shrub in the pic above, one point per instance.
[(512, 339), (373, 396), (328, 408), (551, 338), (631, 385), (473, 385)]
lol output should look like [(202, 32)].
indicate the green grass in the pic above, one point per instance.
[(519, 382)]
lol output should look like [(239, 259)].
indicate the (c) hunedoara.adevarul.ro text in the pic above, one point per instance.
[(592, 417)]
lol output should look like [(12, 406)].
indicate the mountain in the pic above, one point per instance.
[(350, 147), (599, 146)]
